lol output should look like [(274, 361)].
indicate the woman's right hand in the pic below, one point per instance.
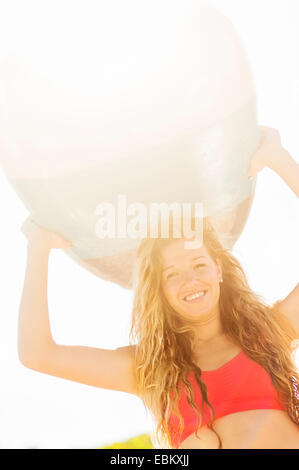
[(40, 236)]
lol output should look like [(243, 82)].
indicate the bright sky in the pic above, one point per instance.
[(47, 412)]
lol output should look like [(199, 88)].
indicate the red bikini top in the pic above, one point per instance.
[(239, 385)]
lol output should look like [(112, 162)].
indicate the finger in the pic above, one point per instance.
[(253, 168), (251, 173), (26, 226)]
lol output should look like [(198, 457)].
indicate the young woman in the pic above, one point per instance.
[(212, 362)]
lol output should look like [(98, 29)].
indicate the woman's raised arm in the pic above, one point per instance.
[(273, 155), (110, 369)]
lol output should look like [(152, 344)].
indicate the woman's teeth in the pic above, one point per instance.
[(188, 298)]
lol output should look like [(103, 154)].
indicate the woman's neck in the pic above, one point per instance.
[(209, 327)]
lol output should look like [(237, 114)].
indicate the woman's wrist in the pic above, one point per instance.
[(38, 246)]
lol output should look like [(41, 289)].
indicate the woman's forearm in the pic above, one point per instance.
[(288, 169), (34, 333)]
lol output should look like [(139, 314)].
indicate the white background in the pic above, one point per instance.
[(47, 412)]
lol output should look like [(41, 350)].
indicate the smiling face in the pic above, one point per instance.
[(190, 280)]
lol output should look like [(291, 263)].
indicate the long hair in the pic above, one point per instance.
[(165, 343)]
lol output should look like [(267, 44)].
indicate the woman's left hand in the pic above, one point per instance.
[(269, 152), (40, 236)]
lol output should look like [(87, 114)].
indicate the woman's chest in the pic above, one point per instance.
[(240, 385), (216, 356)]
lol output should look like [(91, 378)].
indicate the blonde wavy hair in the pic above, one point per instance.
[(165, 343)]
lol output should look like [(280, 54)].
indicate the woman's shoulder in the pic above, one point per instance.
[(129, 349)]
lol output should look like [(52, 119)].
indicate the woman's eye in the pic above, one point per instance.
[(197, 266), (172, 275)]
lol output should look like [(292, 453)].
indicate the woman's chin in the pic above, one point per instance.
[(195, 311)]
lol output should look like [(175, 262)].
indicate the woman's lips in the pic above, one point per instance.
[(195, 297)]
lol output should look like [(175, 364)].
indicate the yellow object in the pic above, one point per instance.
[(139, 442)]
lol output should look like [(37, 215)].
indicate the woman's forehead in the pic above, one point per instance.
[(176, 251)]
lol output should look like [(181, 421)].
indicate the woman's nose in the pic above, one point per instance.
[(189, 276)]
